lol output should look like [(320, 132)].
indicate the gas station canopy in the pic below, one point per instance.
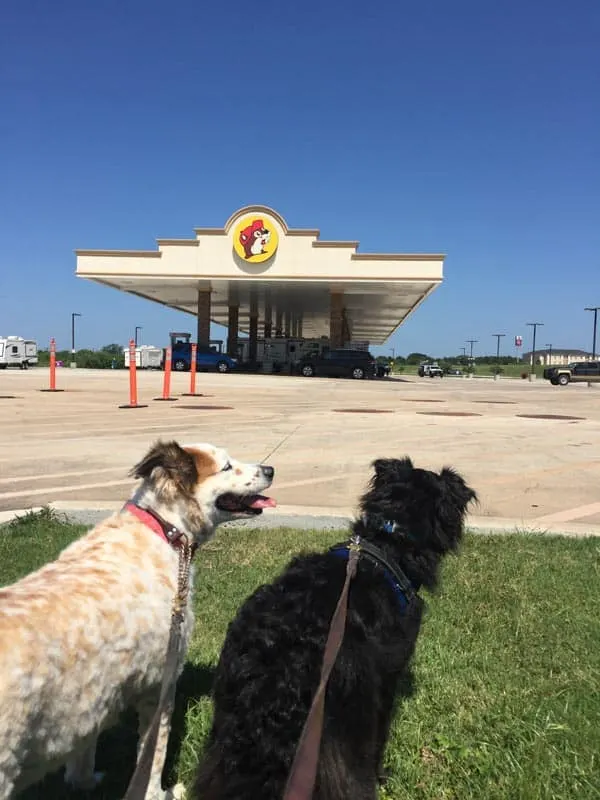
[(260, 275)]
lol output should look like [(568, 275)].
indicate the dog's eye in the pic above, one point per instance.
[(226, 467)]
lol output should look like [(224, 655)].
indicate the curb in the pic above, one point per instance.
[(305, 517)]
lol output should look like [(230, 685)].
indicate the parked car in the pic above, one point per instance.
[(430, 371), (578, 372), (342, 363), (207, 359)]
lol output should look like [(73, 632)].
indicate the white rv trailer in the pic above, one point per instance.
[(17, 352), (146, 357)]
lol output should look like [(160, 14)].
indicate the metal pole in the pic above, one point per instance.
[(549, 346), (73, 315), (498, 337), (595, 309), (137, 328), (471, 342), (535, 326)]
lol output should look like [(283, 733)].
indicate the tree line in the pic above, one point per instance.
[(414, 359), (108, 357)]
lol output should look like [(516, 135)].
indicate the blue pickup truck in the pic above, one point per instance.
[(208, 357)]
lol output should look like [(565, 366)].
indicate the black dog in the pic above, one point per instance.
[(271, 660)]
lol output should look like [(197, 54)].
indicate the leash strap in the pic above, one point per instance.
[(301, 780), (140, 779)]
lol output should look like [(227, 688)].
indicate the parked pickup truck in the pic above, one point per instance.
[(430, 371), (578, 372)]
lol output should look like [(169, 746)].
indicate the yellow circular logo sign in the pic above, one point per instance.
[(255, 239)]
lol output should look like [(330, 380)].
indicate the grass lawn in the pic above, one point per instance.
[(508, 664)]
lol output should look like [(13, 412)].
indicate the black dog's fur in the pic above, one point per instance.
[(271, 660)]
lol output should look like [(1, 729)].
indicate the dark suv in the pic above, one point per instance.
[(340, 364)]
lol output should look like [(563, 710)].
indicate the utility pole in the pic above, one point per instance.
[(595, 309), (137, 328), (535, 326), (73, 362), (471, 342), (498, 337)]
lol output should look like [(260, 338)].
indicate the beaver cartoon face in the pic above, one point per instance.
[(254, 238)]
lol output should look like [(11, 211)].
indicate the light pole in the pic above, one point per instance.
[(73, 362), (535, 326), (137, 328), (498, 337), (471, 342), (549, 346), (595, 310)]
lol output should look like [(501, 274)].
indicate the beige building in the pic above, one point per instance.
[(558, 358), (259, 276)]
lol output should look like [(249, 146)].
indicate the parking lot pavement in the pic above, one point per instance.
[(530, 450)]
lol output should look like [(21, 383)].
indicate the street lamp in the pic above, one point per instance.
[(595, 310), (498, 337), (549, 346), (471, 342), (73, 362), (137, 328), (535, 326)]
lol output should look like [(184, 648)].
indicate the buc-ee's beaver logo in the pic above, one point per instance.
[(255, 239)]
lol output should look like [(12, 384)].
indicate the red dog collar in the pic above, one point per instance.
[(169, 533)]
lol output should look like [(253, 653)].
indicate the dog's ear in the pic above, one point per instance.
[(168, 463), (381, 467), (392, 467), (456, 487)]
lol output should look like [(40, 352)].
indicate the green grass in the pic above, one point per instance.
[(507, 666)]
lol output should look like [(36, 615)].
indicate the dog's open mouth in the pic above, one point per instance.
[(244, 503)]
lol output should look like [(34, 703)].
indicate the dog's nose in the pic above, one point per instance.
[(268, 472)]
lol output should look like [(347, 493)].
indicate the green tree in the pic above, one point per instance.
[(416, 358), (113, 349)]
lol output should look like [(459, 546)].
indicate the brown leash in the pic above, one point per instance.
[(301, 780), (140, 779)]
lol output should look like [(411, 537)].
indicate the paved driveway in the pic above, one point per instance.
[(77, 446)]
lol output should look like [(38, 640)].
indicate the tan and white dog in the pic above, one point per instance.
[(86, 636)]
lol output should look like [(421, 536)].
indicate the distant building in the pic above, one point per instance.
[(558, 356)]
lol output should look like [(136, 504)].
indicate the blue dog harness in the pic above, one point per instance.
[(403, 589)]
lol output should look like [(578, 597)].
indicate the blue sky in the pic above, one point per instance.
[(466, 127)]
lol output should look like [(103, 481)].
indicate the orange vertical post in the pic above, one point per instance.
[(166, 395), (52, 365), (132, 374), (52, 369), (193, 369), (133, 403)]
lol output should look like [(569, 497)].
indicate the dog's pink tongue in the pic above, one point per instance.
[(263, 502)]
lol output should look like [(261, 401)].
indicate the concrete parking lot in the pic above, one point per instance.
[(74, 448)]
